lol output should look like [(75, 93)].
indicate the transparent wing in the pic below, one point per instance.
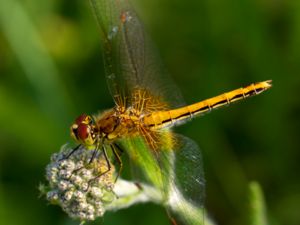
[(144, 166), (130, 59), (187, 190), (176, 171)]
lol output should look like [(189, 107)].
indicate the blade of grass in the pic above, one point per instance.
[(25, 42), (257, 205)]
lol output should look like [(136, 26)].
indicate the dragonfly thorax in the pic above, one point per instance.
[(114, 124), (106, 127)]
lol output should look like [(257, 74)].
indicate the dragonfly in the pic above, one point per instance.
[(147, 106)]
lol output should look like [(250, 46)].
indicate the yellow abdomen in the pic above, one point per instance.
[(168, 118)]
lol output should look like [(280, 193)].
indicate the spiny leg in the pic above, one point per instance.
[(121, 151), (71, 153), (90, 161), (138, 185), (94, 154), (114, 148), (107, 161), (106, 171)]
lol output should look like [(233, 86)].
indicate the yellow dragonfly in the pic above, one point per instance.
[(147, 106)]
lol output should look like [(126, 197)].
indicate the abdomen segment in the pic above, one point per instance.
[(168, 118)]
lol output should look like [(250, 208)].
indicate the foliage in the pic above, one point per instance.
[(51, 71)]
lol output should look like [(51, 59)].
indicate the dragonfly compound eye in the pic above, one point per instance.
[(84, 119), (82, 130), (83, 133), (74, 131)]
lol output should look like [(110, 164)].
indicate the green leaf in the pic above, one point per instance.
[(26, 43), (258, 214), (160, 173)]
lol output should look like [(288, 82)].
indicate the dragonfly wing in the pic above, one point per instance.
[(175, 170), (144, 166), (187, 184), (108, 17), (130, 59)]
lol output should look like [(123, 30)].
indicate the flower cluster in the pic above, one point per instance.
[(80, 186)]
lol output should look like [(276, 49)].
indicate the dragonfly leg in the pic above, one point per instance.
[(75, 172), (107, 160), (101, 174), (94, 155), (71, 153), (119, 149), (138, 185), (172, 219), (114, 148), (90, 161)]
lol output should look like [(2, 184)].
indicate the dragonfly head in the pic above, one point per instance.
[(83, 130)]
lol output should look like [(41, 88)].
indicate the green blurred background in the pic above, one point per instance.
[(51, 70)]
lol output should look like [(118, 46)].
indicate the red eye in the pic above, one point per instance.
[(83, 131), (80, 119)]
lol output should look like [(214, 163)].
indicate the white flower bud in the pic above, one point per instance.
[(68, 195), (77, 185), (63, 185), (52, 196)]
